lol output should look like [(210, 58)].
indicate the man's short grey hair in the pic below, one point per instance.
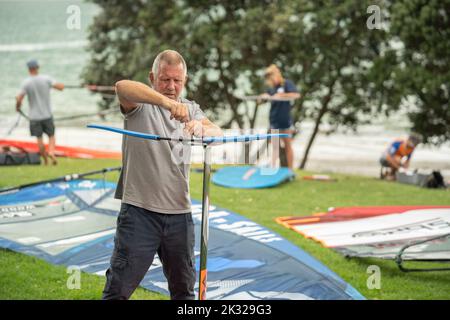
[(415, 138), (171, 57)]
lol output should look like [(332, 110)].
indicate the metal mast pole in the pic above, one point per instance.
[(205, 224)]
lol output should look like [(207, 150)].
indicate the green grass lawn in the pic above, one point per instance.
[(23, 277)]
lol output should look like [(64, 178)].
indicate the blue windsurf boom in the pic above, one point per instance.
[(247, 177), (125, 132), (73, 223), (204, 140)]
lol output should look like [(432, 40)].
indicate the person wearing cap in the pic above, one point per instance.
[(398, 155), (280, 110), (37, 88)]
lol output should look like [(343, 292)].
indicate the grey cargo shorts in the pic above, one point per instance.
[(39, 127), (142, 233)]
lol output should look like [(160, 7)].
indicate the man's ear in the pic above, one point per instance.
[(151, 77)]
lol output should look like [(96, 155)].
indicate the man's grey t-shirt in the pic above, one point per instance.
[(155, 174), (37, 88)]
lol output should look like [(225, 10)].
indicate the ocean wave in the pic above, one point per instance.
[(21, 47)]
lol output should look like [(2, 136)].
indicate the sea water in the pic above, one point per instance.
[(38, 30)]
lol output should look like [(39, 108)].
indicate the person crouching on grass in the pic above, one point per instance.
[(398, 155)]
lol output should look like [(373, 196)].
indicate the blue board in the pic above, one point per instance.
[(73, 224), (248, 177)]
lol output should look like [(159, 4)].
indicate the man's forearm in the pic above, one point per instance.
[(18, 104), (137, 92), (406, 164), (59, 86), (293, 95), (212, 130)]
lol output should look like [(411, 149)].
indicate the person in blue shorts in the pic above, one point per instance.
[(280, 110)]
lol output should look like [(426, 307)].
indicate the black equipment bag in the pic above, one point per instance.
[(18, 158), (435, 180)]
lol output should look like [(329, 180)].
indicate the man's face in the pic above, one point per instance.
[(169, 81), (411, 144), (272, 79), (33, 70)]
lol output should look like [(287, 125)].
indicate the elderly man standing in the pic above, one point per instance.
[(37, 88), (155, 214)]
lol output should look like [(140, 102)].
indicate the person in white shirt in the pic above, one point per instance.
[(37, 88)]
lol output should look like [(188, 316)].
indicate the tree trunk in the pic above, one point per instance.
[(313, 136), (323, 110), (252, 119)]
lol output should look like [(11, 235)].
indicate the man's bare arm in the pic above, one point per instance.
[(391, 160), (58, 86), (130, 93), (211, 129), (19, 99), (203, 128), (287, 95), (406, 164)]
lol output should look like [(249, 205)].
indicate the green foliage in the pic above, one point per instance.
[(227, 45), (422, 70), (346, 72)]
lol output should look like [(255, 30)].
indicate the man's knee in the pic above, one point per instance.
[(114, 287), (41, 145), (182, 286), (129, 262), (180, 274), (287, 142), (124, 275), (179, 268)]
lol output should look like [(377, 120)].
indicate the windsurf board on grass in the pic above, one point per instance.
[(248, 177)]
